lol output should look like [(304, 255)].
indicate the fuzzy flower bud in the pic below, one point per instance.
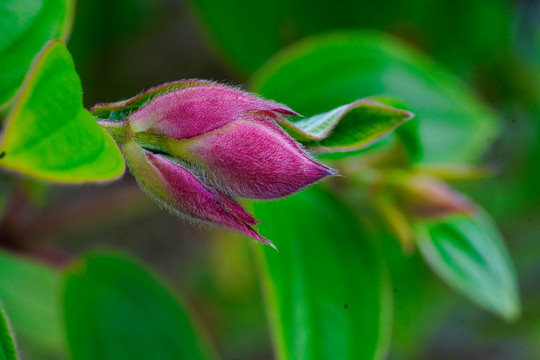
[(197, 147)]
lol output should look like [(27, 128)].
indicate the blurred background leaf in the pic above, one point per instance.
[(321, 73), (116, 309), (422, 303), (469, 254), (247, 33), (25, 27), (30, 293), (327, 292)]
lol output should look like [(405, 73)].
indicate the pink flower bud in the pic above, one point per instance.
[(426, 197), (197, 146), (251, 158), (182, 192), (196, 110)]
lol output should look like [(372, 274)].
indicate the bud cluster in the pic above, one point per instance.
[(195, 146)]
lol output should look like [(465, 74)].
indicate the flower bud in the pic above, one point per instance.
[(250, 158), (426, 197), (197, 110), (196, 147), (181, 192)]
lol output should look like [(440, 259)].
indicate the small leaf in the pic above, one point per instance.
[(8, 350), (408, 133), (116, 309), (49, 135), (26, 26), (346, 128), (30, 293), (328, 294), (469, 254)]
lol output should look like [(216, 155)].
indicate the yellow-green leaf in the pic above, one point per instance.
[(25, 27), (49, 135)]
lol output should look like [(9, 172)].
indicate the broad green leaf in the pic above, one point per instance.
[(8, 350), (248, 32), (469, 254), (117, 309), (327, 292), (25, 27), (49, 135), (346, 128), (327, 71), (422, 303), (30, 293)]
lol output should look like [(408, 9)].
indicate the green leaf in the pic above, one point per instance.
[(31, 295), (408, 133), (26, 26), (8, 350), (421, 302), (327, 71), (469, 254), (49, 135), (116, 309), (249, 32), (327, 292), (347, 128)]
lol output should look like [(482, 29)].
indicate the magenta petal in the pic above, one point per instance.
[(193, 111), (190, 197), (255, 159)]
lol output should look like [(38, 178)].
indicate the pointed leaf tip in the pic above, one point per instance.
[(469, 254), (59, 143), (346, 128)]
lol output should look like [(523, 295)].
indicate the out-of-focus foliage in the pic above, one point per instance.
[(116, 309), (323, 72), (470, 255), (421, 302), (30, 25), (30, 293), (49, 135), (327, 292), (461, 32)]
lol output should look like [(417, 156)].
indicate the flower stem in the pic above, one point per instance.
[(119, 130)]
